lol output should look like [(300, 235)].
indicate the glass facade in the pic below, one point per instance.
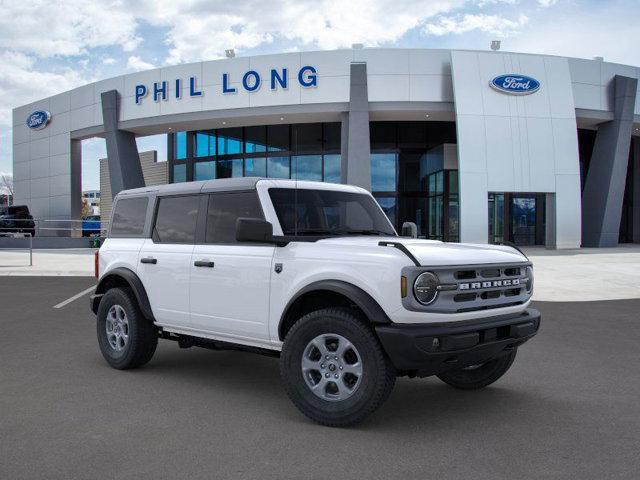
[(410, 179), (308, 151)]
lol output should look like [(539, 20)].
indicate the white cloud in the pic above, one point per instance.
[(491, 24), (547, 3), (21, 83), (46, 28), (200, 31), (108, 61), (135, 63)]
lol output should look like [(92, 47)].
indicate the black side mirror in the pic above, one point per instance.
[(254, 230), (409, 229)]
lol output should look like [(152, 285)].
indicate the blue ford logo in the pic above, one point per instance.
[(38, 119), (515, 84)]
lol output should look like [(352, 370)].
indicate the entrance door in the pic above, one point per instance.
[(523, 219)]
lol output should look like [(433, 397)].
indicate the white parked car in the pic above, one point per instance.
[(314, 273)]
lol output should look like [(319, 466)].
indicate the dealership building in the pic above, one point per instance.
[(472, 146)]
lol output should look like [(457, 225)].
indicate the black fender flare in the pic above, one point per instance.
[(133, 281), (365, 302)]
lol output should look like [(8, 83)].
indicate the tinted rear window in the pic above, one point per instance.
[(224, 209), (176, 219), (128, 217)]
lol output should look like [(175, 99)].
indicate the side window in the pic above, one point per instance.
[(224, 209), (128, 217), (176, 219)]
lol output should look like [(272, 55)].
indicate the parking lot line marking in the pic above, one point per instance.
[(75, 297)]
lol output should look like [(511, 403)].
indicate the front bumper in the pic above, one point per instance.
[(431, 349)]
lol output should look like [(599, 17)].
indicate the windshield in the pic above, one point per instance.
[(328, 212)]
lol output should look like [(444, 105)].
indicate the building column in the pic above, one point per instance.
[(604, 187), (355, 143), (125, 171)]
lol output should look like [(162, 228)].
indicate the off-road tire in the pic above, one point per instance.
[(143, 335), (376, 383), (481, 376)]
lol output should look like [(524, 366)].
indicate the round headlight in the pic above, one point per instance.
[(529, 280), (425, 288)]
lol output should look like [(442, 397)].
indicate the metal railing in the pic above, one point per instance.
[(27, 229), (45, 227), (15, 235)]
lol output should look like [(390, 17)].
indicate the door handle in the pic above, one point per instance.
[(203, 263), (149, 260)]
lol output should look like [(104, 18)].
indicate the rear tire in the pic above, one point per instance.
[(334, 369), (479, 376), (126, 339)]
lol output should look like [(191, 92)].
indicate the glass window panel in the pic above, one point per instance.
[(255, 139), (435, 207), (383, 172), (306, 137), (229, 168), (439, 182), (332, 168), (180, 173), (278, 167), (204, 170), (307, 167), (332, 136), (180, 146), (388, 205), (278, 138), (129, 217), (176, 219), (229, 141), (205, 144), (432, 184), (255, 167), (453, 182), (224, 209)]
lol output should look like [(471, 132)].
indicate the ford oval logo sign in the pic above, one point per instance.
[(515, 84), (38, 119)]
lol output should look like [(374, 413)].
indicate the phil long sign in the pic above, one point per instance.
[(515, 84), (250, 81)]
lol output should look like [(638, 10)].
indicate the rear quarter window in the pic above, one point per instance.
[(129, 217)]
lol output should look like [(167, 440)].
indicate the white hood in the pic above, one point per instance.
[(436, 253)]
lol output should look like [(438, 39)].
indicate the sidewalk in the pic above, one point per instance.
[(64, 262), (560, 275)]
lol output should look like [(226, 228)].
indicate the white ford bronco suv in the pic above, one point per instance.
[(313, 273)]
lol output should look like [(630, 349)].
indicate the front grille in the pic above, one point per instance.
[(469, 288)]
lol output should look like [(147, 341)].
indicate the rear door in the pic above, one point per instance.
[(230, 280), (164, 263)]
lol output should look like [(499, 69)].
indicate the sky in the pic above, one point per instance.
[(47, 47)]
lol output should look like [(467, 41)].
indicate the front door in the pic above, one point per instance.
[(230, 280)]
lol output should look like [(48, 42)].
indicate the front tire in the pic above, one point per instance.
[(334, 369), (479, 376), (127, 339)]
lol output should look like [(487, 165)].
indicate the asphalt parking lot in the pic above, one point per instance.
[(569, 407)]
